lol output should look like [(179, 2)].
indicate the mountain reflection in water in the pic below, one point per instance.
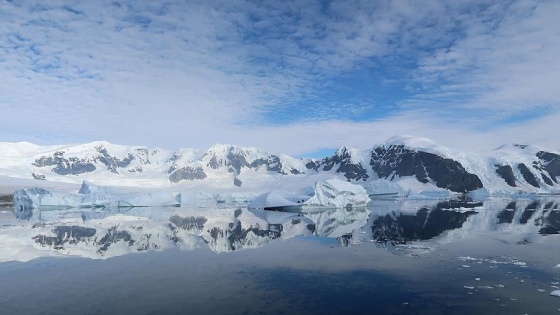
[(98, 233), (398, 256)]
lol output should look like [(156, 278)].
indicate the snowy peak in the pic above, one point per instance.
[(526, 166), (99, 155), (346, 161), (411, 141), (397, 159), (232, 161), (416, 144), (412, 162)]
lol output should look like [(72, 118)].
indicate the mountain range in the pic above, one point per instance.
[(402, 162)]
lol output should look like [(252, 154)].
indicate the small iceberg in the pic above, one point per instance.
[(332, 193), (278, 200)]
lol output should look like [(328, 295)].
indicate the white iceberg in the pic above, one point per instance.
[(277, 200), (338, 194), (332, 193), (385, 187), (89, 196)]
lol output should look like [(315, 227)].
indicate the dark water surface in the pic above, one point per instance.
[(498, 256)]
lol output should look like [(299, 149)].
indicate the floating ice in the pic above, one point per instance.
[(338, 194), (332, 193), (555, 293), (277, 199), (26, 201)]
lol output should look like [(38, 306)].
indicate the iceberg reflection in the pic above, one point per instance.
[(105, 232)]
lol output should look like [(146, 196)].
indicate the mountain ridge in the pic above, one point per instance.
[(508, 168)]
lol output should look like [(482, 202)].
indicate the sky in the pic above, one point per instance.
[(293, 77)]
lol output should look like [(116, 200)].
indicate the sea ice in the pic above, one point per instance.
[(555, 293)]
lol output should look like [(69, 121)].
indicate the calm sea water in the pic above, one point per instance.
[(497, 256)]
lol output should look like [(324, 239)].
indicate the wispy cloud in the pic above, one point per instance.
[(291, 76)]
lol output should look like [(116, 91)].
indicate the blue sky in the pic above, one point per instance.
[(294, 77)]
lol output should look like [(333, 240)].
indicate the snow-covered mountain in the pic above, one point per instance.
[(408, 164)]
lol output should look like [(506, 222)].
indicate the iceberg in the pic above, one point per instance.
[(278, 200), (332, 193), (27, 201), (336, 193), (385, 187)]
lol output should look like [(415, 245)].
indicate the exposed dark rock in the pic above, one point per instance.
[(342, 160), (396, 160), (173, 159), (66, 234), (188, 223), (313, 165), (234, 161), (73, 166), (547, 180), (114, 236), (344, 240), (112, 162), (49, 160), (526, 215), (188, 173), (272, 164), (237, 235), (551, 164), (136, 170), (551, 224), (143, 155), (63, 166), (295, 172), (528, 175), (76, 166), (425, 224), (237, 182), (506, 173), (506, 216), (39, 176)]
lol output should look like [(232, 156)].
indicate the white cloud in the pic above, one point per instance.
[(191, 74)]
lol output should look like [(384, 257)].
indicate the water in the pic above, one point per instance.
[(497, 256)]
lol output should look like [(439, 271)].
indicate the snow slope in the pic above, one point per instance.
[(406, 165)]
